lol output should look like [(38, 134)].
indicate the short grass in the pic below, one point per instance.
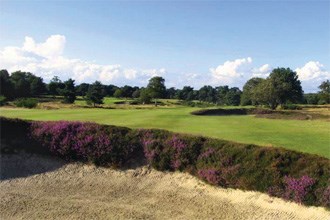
[(306, 136)]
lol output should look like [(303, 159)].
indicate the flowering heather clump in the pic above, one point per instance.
[(207, 153), (210, 175), (147, 142), (178, 145), (88, 141), (297, 189)]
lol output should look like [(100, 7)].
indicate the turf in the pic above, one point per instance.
[(305, 136)]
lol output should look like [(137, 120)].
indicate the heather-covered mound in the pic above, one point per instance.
[(295, 176)]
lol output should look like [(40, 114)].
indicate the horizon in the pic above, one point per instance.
[(195, 44)]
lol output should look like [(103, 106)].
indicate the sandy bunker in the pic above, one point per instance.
[(35, 187)]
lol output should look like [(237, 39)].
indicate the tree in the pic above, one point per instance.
[(187, 93), (233, 96), (69, 91), (170, 93), (207, 94), (312, 98), (221, 94), (82, 89), (145, 96), (37, 86), (156, 88), (280, 87), (95, 94), (55, 85), (324, 94), (6, 86), (127, 91), (21, 84), (136, 94), (110, 90), (118, 93), (248, 97)]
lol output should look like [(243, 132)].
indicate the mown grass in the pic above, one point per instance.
[(305, 136)]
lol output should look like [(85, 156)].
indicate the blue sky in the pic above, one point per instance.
[(188, 43)]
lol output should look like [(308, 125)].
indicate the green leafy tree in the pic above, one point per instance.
[(207, 94), (171, 93), (145, 97), (136, 93), (187, 93), (156, 88), (95, 94), (110, 90), (21, 84), (118, 93), (248, 96), (55, 85), (127, 91), (68, 92), (324, 93), (233, 96), (221, 95), (37, 86), (6, 86), (312, 98), (82, 89), (282, 86)]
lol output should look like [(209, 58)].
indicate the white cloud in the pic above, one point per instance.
[(53, 46), (46, 60), (262, 71), (313, 70), (231, 71), (311, 75), (130, 73)]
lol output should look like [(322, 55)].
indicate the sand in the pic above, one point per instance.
[(36, 187)]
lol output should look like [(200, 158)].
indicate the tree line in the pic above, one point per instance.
[(281, 87)]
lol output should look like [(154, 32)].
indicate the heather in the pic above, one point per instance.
[(295, 176), (103, 145)]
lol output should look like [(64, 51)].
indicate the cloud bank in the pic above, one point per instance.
[(46, 59)]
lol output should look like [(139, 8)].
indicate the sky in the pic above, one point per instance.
[(191, 43)]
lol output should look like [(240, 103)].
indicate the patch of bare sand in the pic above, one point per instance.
[(77, 191)]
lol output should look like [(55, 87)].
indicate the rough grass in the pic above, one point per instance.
[(305, 136)]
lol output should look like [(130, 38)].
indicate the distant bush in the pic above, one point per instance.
[(2, 100), (300, 177), (291, 107), (26, 102)]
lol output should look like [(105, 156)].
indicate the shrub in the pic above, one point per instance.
[(103, 145), (26, 103), (291, 107), (297, 189), (210, 175), (2, 100)]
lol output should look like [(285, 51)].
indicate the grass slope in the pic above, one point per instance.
[(305, 136)]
